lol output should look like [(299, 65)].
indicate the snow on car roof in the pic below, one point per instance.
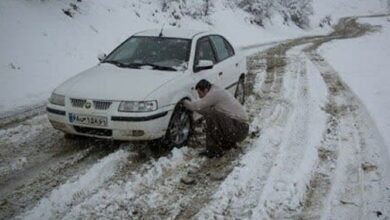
[(172, 32)]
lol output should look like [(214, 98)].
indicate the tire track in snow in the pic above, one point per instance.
[(285, 187), (128, 195), (354, 182), (266, 107), (66, 194), (285, 131), (269, 110), (131, 172), (48, 161), (338, 186)]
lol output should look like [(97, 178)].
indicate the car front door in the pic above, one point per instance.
[(205, 51), (227, 62)]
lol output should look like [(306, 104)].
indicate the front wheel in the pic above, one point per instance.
[(179, 128), (239, 94), (70, 136)]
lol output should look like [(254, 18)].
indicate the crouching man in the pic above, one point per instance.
[(226, 119)]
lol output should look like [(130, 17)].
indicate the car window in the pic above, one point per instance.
[(126, 49), (204, 51), (229, 48), (160, 51), (220, 47)]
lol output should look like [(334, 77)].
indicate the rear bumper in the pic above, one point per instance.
[(120, 126)]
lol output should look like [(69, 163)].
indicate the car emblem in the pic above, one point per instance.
[(88, 105)]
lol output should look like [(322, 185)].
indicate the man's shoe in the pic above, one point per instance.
[(204, 153)]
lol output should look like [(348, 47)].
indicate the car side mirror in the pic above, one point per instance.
[(204, 65), (101, 57)]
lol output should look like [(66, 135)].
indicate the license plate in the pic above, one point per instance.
[(99, 121)]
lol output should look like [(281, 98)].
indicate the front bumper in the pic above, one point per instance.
[(120, 126)]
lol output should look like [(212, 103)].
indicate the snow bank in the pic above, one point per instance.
[(364, 64)]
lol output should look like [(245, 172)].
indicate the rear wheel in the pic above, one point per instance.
[(239, 94), (179, 128)]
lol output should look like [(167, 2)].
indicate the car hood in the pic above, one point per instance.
[(109, 82)]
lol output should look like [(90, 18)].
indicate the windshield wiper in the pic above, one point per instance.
[(138, 65), (155, 66), (115, 62)]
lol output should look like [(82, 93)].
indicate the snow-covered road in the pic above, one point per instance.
[(313, 153)]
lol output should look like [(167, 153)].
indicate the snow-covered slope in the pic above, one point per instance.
[(42, 47)]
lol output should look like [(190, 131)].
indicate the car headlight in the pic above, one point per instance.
[(56, 99), (144, 106)]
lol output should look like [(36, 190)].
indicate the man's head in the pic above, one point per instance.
[(203, 87)]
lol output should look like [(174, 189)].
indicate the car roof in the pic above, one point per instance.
[(172, 32)]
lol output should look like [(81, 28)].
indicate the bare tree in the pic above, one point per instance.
[(208, 5), (294, 11), (165, 4), (298, 11), (260, 9)]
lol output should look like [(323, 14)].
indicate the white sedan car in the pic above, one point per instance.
[(135, 92)]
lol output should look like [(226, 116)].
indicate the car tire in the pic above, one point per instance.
[(70, 136), (179, 128), (239, 94)]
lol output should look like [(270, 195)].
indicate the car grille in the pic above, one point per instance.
[(100, 105), (78, 103), (94, 131)]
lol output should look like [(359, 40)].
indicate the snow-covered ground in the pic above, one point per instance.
[(363, 64), (314, 152)]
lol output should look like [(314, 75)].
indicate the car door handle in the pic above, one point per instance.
[(236, 64), (220, 73)]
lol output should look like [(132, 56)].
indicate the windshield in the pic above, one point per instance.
[(171, 54)]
